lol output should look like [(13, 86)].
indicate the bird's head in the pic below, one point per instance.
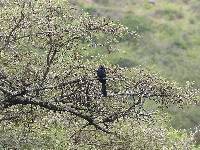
[(101, 66)]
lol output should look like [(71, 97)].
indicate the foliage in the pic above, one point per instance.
[(43, 72), (169, 41), (170, 46), (58, 133)]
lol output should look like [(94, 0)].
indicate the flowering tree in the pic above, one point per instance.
[(44, 70)]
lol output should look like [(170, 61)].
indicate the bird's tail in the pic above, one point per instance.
[(103, 89)]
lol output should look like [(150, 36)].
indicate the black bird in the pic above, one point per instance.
[(101, 73)]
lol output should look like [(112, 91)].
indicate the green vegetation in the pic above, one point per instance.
[(60, 134), (169, 42), (169, 36), (50, 95)]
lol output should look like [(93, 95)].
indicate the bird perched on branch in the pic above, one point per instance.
[(101, 73)]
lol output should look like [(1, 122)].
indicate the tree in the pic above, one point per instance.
[(43, 69)]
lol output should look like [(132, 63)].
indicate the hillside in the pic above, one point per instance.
[(70, 80), (169, 41), (169, 31)]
